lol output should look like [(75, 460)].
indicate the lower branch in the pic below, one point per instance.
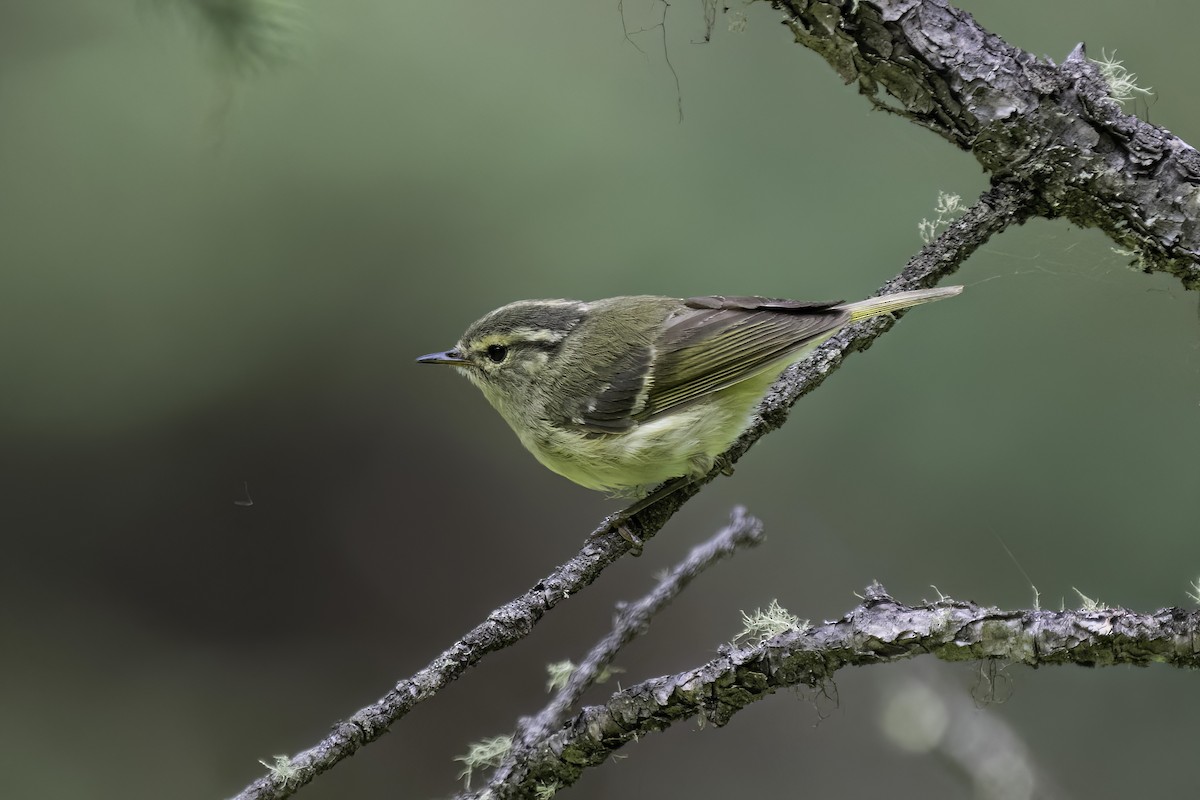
[(878, 631), (633, 620)]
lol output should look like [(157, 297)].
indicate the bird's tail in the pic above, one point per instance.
[(887, 303)]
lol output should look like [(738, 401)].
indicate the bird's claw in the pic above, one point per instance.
[(621, 523), (635, 541)]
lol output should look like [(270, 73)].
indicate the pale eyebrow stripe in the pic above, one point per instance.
[(538, 335)]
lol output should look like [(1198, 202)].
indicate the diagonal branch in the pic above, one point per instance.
[(503, 627), (879, 631)]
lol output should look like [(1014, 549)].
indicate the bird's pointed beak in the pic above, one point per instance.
[(452, 357)]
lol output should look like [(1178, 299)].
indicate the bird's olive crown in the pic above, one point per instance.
[(525, 333)]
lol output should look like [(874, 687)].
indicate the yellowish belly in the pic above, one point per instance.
[(679, 443)]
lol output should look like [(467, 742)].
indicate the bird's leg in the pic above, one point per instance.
[(670, 487), (622, 519), (635, 541)]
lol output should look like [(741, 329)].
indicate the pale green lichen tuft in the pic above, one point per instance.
[(948, 207), (1122, 84), (560, 672), (282, 769), (1194, 594), (484, 754), (1088, 603), (764, 624)]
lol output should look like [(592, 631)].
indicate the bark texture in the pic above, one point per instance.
[(1054, 129), (880, 630)]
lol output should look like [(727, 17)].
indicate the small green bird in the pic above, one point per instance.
[(623, 394)]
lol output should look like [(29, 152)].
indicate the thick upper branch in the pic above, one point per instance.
[(1054, 128)]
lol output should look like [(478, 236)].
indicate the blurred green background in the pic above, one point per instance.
[(211, 282)]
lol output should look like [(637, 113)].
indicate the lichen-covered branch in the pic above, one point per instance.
[(878, 631), (632, 621), (996, 209), (1053, 128), (503, 627)]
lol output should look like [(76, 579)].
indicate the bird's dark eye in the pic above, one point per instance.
[(497, 352)]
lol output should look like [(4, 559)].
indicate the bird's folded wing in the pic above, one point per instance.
[(720, 341), (715, 342)]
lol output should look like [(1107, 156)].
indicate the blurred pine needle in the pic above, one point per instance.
[(246, 36)]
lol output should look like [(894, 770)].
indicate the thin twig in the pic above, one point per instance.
[(632, 621)]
